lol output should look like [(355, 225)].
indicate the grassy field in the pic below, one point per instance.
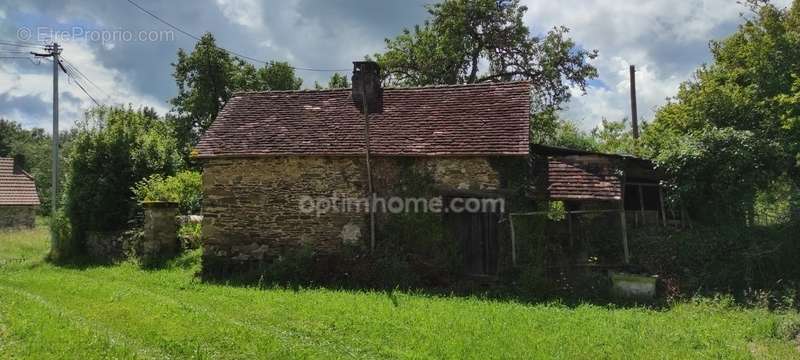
[(124, 312)]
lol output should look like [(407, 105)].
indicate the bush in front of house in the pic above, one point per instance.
[(112, 150), (184, 188)]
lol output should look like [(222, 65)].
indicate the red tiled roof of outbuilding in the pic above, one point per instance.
[(575, 180)]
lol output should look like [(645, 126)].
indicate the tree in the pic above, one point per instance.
[(549, 129), (207, 78), (616, 137), (278, 76), (338, 81), (462, 35), (735, 127), (33, 147)]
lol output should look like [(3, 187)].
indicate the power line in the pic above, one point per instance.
[(81, 74), (195, 37), (77, 82), (8, 43)]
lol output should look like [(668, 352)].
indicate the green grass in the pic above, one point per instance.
[(124, 312)]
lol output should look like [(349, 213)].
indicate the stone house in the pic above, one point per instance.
[(19, 200), (269, 152)]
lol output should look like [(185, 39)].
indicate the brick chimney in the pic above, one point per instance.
[(367, 83), (19, 163)]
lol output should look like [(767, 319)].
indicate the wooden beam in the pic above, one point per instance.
[(661, 203), (641, 204), (569, 226), (624, 236), (513, 240)]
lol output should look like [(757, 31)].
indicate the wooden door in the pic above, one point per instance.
[(477, 234)]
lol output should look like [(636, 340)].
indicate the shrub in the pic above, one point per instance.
[(185, 188), (190, 235), (112, 150)]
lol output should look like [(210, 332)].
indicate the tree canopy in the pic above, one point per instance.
[(208, 76), (734, 128), (468, 41)]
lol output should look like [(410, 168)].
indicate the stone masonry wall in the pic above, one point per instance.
[(17, 216), (251, 206)]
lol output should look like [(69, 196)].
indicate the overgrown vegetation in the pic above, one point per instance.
[(113, 149), (184, 188), (733, 130)]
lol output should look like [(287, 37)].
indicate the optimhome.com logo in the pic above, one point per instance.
[(399, 205)]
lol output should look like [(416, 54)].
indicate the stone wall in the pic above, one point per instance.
[(17, 216), (252, 206)]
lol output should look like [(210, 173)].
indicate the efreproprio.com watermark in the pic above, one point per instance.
[(105, 36), (399, 205)]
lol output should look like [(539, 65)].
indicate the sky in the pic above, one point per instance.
[(127, 54)]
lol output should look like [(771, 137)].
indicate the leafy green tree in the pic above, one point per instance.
[(548, 128), (205, 79), (208, 76), (338, 81), (463, 35), (735, 126), (616, 137), (278, 76)]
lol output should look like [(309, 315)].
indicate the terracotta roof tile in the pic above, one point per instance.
[(478, 119), (575, 180), (16, 187)]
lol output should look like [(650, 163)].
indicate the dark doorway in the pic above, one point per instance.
[(477, 234)]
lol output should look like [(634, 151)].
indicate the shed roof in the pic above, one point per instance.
[(574, 178), (16, 187), (477, 119)]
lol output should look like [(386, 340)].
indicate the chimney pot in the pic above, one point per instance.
[(367, 84)]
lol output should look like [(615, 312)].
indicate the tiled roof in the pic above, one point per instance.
[(16, 187), (478, 119), (572, 179)]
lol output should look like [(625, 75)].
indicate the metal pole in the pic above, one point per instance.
[(634, 115), (369, 175), (54, 190)]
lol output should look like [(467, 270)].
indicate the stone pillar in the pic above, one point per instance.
[(160, 238)]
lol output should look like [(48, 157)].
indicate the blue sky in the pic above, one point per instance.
[(667, 40)]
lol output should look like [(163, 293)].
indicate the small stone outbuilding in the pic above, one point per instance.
[(270, 154), (19, 200)]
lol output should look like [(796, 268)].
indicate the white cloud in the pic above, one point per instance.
[(108, 86), (666, 40), (246, 13)]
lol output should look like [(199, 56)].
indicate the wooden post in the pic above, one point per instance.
[(624, 235), (569, 225), (513, 240), (623, 222), (661, 203), (641, 204)]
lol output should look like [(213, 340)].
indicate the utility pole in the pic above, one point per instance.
[(634, 115), (53, 51)]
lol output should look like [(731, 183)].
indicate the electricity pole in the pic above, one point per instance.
[(53, 51), (634, 115)]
